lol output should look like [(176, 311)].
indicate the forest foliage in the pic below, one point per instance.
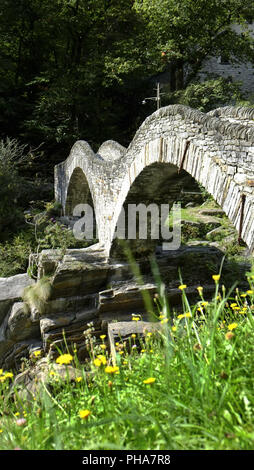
[(80, 69), (75, 69)]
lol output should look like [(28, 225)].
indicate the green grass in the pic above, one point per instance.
[(201, 398)]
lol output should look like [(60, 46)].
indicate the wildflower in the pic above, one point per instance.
[(84, 414), (233, 305), (1, 430), (216, 277), (135, 319), (111, 369), (250, 292), (103, 359), (103, 346), (149, 381), (149, 334), (102, 336), (200, 290), (21, 422), (64, 359), (232, 326), (97, 362), (204, 304), (243, 295), (52, 373), (182, 286), (165, 320), (78, 379), (229, 335), (184, 315), (174, 328), (1, 371), (37, 353), (133, 336)]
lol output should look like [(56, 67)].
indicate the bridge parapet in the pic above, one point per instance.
[(216, 149)]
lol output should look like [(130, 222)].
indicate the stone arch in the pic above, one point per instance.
[(78, 191), (216, 149)]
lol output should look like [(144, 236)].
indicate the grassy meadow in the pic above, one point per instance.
[(188, 387)]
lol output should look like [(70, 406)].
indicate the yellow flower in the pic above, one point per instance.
[(184, 315), (103, 346), (149, 334), (200, 289), (233, 305), (84, 414), (165, 320), (1, 430), (174, 328), (243, 295), (78, 379), (97, 362), (8, 375), (216, 277), (111, 369), (133, 336), (102, 336), (37, 353), (135, 319), (250, 292), (103, 359), (232, 326), (204, 304), (182, 286), (149, 381), (1, 371), (64, 359)]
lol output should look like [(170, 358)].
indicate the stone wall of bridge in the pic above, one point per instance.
[(216, 149)]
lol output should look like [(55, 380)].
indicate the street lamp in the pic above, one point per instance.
[(156, 98)]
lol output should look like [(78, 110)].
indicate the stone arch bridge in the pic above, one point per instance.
[(216, 149)]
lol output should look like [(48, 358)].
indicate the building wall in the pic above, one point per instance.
[(243, 72)]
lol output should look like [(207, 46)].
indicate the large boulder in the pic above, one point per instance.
[(11, 290)]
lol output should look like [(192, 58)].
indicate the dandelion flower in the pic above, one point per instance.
[(102, 336), (149, 381), (103, 359), (64, 359), (182, 286), (84, 414), (78, 379), (111, 369), (232, 326), (216, 277), (97, 362)]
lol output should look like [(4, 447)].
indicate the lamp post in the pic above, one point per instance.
[(156, 98)]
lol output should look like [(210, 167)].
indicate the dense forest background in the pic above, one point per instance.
[(80, 69)]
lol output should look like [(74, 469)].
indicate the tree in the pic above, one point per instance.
[(186, 32)]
